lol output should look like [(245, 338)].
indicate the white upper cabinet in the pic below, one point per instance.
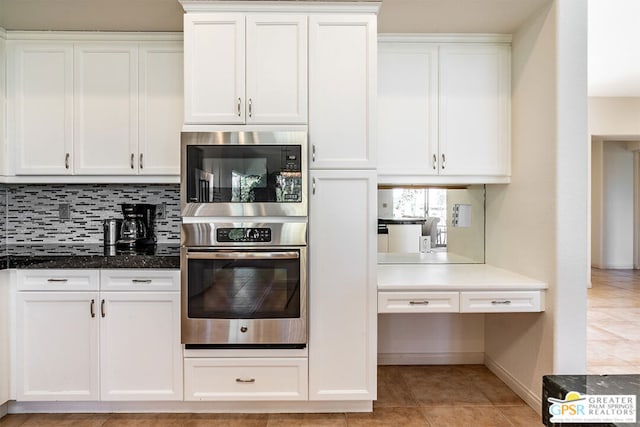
[(444, 111), (106, 109), (245, 68), (95, 108), (475, 99), (40, 79), (342, 91), (160, 108), (408, 109)]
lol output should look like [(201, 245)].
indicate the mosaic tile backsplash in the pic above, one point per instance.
[(32, 214), (3, 217)]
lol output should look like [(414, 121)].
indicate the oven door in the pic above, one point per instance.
[(241, 297)]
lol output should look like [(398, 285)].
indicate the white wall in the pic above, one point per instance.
[(614, 116), (537, 225), (433, 338), (597, 174)]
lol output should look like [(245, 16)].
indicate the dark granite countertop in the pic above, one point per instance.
[(557, 387), (95, 256)]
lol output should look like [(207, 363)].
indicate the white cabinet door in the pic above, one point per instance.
[(276, 69), (161, 108), (214, 60), (5, 335), (106, 109), (342, 91), (57, 346), (140, 350), (408, 109), (41, 116), (342, 286), (474, 114)]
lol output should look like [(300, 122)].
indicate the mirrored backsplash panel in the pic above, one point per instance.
[(431, 225)]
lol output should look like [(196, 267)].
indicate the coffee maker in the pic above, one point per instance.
[(137, 229)]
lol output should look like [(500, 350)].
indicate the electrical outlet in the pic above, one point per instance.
[(64, 211), (161, 211)]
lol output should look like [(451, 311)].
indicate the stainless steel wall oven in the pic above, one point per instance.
[(243, 174), (244, 284)]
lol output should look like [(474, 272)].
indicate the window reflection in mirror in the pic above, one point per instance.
[(431, 224)]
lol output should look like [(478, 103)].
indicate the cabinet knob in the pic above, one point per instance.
[(66, 160), (239, 106), (91, 308), (443, 161), (313, 152), (102, 313), (435, 162), (140, 163), (132, 160), (313, 186), (250, 108)]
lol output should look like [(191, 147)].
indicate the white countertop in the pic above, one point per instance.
[(431, 257), (452, 277)]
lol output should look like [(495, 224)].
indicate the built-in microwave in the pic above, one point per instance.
[(243, 174)]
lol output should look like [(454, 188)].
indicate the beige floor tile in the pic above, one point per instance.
[(521, 416), (443, 385), (62, 420), (392, 389), (619, 368), (307, 420), (595, 333), (476, 416), (493, 388), (227, 420), (391, 417), (144, 420)]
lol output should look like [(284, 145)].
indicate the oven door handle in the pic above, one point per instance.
[(244, 255)]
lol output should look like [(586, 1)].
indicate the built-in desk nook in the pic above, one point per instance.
[(456, 288)]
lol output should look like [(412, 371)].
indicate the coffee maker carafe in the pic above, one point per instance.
[(137, 230)]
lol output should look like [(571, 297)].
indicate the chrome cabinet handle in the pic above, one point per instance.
[(140, 163), (141, 280), (245, 381), (443, 160), (506, 302), (57, 280), (132, 160), (244, 255), (102, 313), (313, 186), (250, 107), (435, 162), (91, 308), (66, 160), (418, 302), (313, 152), (239, 102)]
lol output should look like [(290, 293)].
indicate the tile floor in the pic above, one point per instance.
[(613, 322), (449, 396)]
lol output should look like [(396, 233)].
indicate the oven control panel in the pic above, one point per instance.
[(252, 234)]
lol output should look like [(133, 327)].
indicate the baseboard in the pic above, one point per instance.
[(4, 409), (244, 407), (467, 358), (613, 266), (531, 398)]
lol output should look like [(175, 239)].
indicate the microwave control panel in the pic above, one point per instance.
[(252, 234)]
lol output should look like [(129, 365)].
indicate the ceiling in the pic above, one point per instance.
[(614, 36)]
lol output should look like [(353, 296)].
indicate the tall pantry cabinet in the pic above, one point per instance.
[(342, 214)]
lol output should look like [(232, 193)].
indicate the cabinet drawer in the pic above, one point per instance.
[(418, 302), (245, 379), (58, 280), (501, 302), (140, 280)]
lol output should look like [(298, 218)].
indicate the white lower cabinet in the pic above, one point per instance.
[(245, 378), (92, 345), (501, 301), (342, 285), (418, 302), (5, 335)]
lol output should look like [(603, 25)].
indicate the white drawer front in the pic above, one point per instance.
[(245, 379), (501, 302), (58, 280), (140, 280), (418, 302)]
